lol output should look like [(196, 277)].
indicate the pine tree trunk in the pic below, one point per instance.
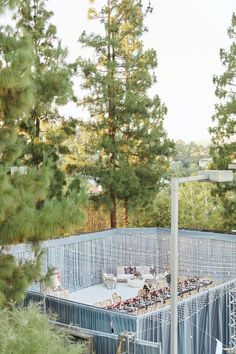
[(127, 77), (36, 123), (111, 113), (113, 210), (37, 127), (126, 206)]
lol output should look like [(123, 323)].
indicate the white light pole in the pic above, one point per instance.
[(212, 176)]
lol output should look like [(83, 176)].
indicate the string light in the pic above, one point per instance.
[(82, 260)]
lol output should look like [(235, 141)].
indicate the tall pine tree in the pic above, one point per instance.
[(223, 149), (52, 77), (27, 214), (127, 144)]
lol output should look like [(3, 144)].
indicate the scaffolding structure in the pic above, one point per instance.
[(128, 344), (202, 318), (232, 322)]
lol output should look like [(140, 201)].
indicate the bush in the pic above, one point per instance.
[(27, 331)]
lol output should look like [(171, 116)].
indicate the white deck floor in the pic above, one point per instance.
[(99, 292)]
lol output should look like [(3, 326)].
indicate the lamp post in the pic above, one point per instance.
[(212, 176)]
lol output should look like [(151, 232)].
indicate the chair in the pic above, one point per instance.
[(98, 304), (154, 285), (109, 281), (123, 274), (114, 296), (141, 292), (117, 300), (106, 303)]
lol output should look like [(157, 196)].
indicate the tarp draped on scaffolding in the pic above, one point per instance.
[(203, 318)]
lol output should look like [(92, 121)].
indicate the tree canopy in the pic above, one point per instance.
[(28, 212), (223, 149), (126, 145)]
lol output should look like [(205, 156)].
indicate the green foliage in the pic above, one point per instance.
[(27, 331), (126, 147), (223, 149), (44, 128), (16, 277), (28, 215), (28, 210), (189, 155), (16, 87), (51, 73), (197, 209), (7, 4)]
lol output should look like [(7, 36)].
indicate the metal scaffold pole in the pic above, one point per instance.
[(232, 320)]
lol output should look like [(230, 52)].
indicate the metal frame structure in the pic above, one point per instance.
[(131, 342), (212, 176), (232, 320), (81, 260)]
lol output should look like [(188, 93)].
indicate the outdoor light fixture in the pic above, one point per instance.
[(217, 175), (210, 176), (232, 166)]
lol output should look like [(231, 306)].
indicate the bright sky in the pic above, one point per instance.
[(187, 35)]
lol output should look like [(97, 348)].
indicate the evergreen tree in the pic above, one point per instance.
[(52, 77), (128, 147), (7, 4), (27, 214), (223, 149)]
